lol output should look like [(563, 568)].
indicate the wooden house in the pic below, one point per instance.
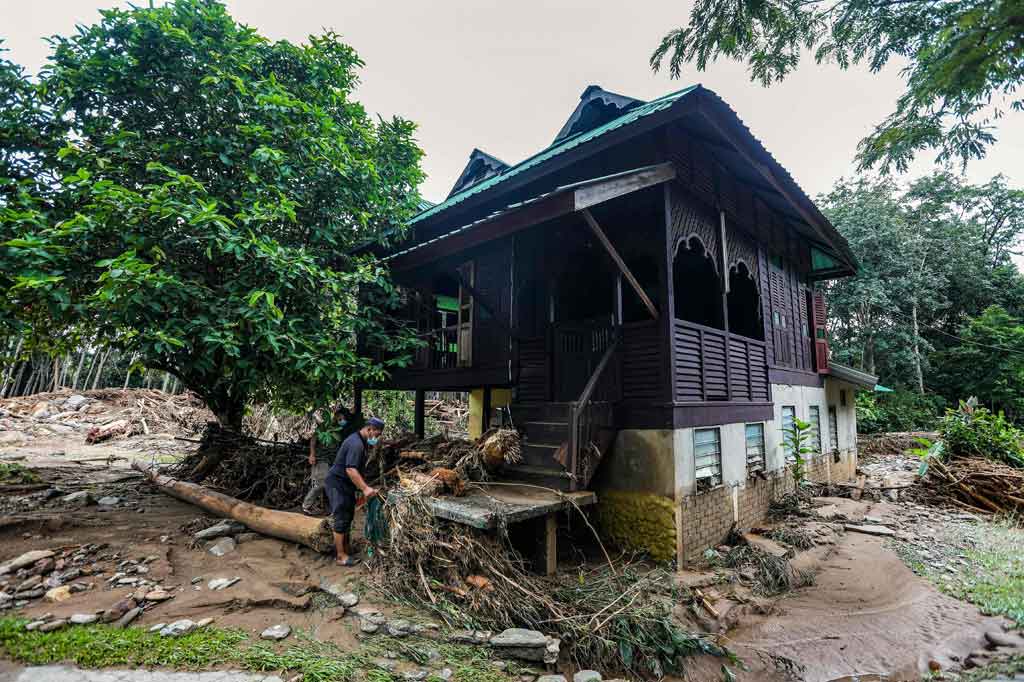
[(641, 299)]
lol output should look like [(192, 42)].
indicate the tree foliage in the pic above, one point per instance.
[(210, 186), (965, 61), (945, 247)]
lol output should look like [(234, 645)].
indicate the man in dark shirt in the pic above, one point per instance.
[(326, 437), (344, 478)]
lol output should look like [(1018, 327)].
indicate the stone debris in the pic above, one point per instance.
[(158, 627), (527, 645), (446, 674), (108, 501), (882, 531), (127, 618), (470, 637), (551, 678), (59, 594), (276, 632), (399, 628), (26, 559), (178, 628), (415, 675), (222, 547), (587, 676), (34, 625), (344, 596), (158, 595), (80, 499), (83, 619), (998, 639), (219, 530), (203, 623), (222, 583), (118, 610), (53, 625)]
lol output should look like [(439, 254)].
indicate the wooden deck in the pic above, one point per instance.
[(486, 506)]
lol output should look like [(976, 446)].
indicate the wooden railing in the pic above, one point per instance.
[(593, 411), (439, 350), (713, 365)]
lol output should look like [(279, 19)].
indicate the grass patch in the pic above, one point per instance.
[(994, 671), (982, 563), (11, 473), (101, 646)]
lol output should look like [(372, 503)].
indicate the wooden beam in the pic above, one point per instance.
[(599, 233), (485, 416), (550, 544), (627, 183), (419, 413)]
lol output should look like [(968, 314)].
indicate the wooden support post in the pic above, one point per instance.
[(550, 544), (357, 401), (485, 411), (419, 418), (603, 238), (618, 299)]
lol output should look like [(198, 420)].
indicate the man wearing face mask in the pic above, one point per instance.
[(343, 424), (344, 479)]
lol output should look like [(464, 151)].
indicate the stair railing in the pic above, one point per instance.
[(582, 420)]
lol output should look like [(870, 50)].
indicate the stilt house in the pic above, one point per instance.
[(642, 300)]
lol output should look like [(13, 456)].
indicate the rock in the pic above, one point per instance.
[(11, 438), (222, 547), (203, 623), (158, 594), (222, 583), (43, 566), (83, 619), (222, 529), (399, 628), (75, 402), (446, 674), (80, 499), (882, 531), (157, 627), (551, 678), (247, 537), (30, 583), (385, 664), (528, 645), (198, 579), (117, 611), (345, 598), (108, 501), (59, 594), (997, 639), (587, 676), (551, 651), (35, 625), (470, 637), (41, 410), (276, 632), (527, 678), (499, 665), (26, 559), (53, 625), (368, 626), (128, 617), (415, 675), (30, 594), (178, 628)]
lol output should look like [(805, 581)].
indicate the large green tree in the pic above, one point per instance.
[(209, 189), (964, 60), (933, 256)]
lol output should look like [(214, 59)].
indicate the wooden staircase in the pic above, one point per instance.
[(545, 429)]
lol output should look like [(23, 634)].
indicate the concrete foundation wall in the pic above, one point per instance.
[(647, 492)]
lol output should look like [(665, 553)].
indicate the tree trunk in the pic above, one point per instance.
[(99, 370), (918, 374), (312, 532), (167, 379), (228, 427), (78, 371), (17, 382), (9, 375)]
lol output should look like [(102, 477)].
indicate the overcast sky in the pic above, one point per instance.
[(504, 75)]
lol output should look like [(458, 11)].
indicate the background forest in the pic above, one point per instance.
[(936, 308)]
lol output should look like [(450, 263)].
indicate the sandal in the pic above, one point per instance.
[(350, 561)]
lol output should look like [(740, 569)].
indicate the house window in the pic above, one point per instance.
[(833, 428), (814, 418), (707, 456), (788, 419), (755, 447), (842, 397)]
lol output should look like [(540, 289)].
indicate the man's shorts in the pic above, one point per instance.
[(343, 506)]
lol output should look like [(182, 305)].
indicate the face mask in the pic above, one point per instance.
[(342, 423), (372, 441)]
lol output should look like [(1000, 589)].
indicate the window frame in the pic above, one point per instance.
[(790, 456), (763, 464), (814, 419), (833, 428), (705, 482)]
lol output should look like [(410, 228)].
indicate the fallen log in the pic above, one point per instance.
[(312, 532)]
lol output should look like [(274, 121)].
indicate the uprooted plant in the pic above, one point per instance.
[(607, 616), (772, 575)]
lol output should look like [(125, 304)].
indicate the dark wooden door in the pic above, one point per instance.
[(578, 347)]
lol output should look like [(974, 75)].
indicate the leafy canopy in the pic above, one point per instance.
[(210, 185), (965, 61)]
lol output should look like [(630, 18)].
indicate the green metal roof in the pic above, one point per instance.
[(554, 150)]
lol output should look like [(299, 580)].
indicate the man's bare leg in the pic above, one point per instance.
[(341, 547)]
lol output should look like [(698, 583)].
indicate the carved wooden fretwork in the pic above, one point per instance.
[(690, 220), (743, 250)]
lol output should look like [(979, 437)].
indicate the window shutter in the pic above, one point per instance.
[(820, 332), (467, 272)]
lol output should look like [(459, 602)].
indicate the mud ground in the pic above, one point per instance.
[(867, 616)]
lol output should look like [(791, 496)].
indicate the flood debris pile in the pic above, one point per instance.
[(100, 415), (609, 616), (976, 483), (407, 458)]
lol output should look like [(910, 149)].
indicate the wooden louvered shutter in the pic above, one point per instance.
[(467, 274), (819, 327)]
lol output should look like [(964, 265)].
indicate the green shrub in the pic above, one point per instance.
[(898, 411), (972, 430)]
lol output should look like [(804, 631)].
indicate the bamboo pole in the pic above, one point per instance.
[(99, 370), (78, 371)]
